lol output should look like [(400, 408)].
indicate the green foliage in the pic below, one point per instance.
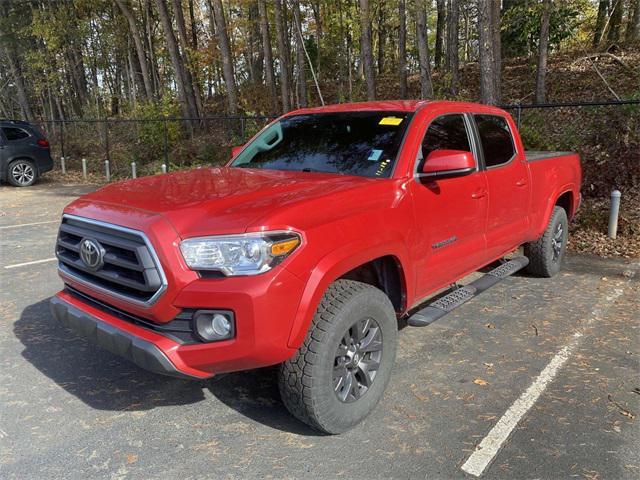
[(521, 24), (151, 131)]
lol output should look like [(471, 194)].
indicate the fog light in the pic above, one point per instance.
[(212, 325)]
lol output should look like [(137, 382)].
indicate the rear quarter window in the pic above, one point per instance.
[(496, 139), (14, 133)]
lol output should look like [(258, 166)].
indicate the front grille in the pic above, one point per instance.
[(129, 266)]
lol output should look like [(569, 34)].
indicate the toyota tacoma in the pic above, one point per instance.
[(306, 250)]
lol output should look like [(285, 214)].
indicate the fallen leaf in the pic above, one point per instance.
[(479, 381), (132, 458), (490, 325)]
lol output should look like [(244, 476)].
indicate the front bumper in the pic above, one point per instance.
[(143, 352)]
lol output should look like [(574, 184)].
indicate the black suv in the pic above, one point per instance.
[(24, 152)]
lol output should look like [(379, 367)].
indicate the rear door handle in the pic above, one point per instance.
[(521, 183), (479, 194)]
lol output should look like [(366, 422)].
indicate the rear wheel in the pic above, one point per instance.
[(342, 369), (22, 173), (546, 254)]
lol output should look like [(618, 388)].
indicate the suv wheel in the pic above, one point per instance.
[(546, 254), (22, 173), (342, 369)]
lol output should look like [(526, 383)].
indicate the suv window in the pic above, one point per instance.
[(496, 139), (447, 132), (13, 133)]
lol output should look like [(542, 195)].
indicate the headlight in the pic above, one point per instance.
[(246, 254)]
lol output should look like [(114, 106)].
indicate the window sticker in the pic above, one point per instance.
[(375, 155), (393, 121), (382, 167)]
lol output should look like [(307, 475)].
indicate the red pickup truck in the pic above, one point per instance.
[(322, 233)]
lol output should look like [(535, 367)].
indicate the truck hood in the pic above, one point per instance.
[(214, 201)]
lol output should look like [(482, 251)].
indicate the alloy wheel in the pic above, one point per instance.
[(23, 173), (557, 241)]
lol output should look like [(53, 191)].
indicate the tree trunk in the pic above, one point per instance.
[(190, 72), (453, 61), (283, 54), (603, 10), (176, 59), (632, 33), (615, 22), (194, 26), (16, 74), (137, 40), (268, 56), (365, 45), (300, 56), (381, 38), (402, 48), (488, 92), (497, 48), (543, 51), (227, 59), (440, 27), (426, 88)]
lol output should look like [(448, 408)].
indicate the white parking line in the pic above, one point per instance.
[(28, 224), (491, 444), (30, 263)]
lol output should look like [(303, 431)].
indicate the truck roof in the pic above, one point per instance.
[(389, 105)]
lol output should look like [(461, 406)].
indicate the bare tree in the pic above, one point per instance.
[(283, 55), (268, 55), (543, 51), (453, 67), (632, 34), (137, 40), (488, 73), (227, 59), (440, 31), (426, 88), (301, 80), (615, 22), (402, 48), (365, 45), (176, 59), (497, 47), (16, 75), (190, 70), (601, 20)]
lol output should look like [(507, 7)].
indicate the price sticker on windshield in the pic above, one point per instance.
[(394, 121)]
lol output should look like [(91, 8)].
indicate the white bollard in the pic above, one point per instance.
[(63, 167), (84, 168), (107, 171), (134, 171), (164, 168), (613, 214)]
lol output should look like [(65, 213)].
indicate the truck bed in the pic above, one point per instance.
[(537, 155)]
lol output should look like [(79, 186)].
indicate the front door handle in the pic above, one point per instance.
[(479, 194), (522, 182)]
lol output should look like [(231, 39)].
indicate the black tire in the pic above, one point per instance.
[(546, 254), (22, 173), (307, 381)]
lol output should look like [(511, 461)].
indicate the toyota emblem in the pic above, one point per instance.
[(91, 253)]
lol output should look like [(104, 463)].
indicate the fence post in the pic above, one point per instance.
[(62, 138), (166, 142), (107, 170), (84, 168), (134, 172), (242, 128), (106, 139), (613, 214), (63, 167), (163, 168), (519, 113)]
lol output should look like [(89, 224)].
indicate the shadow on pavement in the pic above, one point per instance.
[(104, 381)]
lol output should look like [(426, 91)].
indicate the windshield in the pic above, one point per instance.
[(353, 143)]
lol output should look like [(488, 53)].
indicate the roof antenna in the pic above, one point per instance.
[(313, 73)]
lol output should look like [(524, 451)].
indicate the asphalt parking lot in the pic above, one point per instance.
[(568, 348)]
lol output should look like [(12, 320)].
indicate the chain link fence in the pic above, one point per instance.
[(606, 134)]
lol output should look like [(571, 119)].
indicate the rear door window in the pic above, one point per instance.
[(13, 133), (496, 139)]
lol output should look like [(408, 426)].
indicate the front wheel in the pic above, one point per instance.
[(546, 254), (342, 369), (22, 173)]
